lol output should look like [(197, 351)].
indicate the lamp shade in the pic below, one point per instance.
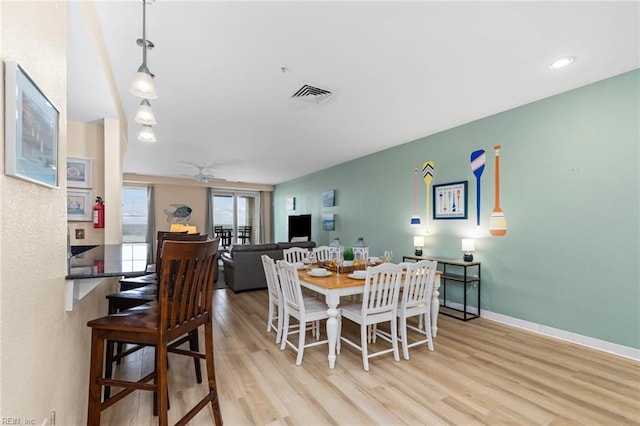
[(146, 134), (179, 227), (144, 115), (418, 241), (142, 85), (468, 245)]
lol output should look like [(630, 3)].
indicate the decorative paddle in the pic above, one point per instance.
[(497, 221), (427, 176), (478, 158)]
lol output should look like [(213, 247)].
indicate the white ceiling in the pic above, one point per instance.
[(399, 71)]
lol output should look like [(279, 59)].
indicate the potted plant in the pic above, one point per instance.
[(347, 255)]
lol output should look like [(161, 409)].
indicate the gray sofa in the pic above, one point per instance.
[(243, 264)]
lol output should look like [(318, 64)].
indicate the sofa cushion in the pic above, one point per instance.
[(303, 244), (253, 247), (243, 268)]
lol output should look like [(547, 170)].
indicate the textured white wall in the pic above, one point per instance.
[(44, 355), (33, 237)]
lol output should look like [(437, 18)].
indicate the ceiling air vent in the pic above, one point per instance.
[(312, 94)]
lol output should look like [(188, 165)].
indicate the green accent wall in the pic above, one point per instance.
[(570, 191)]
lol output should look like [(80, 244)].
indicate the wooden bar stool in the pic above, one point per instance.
[(185, 294), (128, 299), (152, 278)]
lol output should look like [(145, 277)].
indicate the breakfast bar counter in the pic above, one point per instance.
[(91, 266)]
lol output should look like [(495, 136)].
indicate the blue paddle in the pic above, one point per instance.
[(478, 158)]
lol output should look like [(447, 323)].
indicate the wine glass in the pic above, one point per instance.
[(388, 255)]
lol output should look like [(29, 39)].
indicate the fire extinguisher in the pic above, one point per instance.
[(98, 213)]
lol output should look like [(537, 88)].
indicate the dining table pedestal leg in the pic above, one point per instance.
[(332, 328), (435, 306)]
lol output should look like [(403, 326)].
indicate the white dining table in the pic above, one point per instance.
[(335, 286)]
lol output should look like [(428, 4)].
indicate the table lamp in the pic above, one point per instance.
[(179, 227), (468, 246), (418, 243)]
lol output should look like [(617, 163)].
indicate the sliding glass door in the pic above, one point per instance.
[(236, 217)]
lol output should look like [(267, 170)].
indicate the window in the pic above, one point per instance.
[(135, 214), (238, 213)]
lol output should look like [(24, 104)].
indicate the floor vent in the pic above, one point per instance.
[(312, 94)]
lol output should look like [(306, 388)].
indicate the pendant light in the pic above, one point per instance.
[(144, 115), (142, 86), (146, 134)]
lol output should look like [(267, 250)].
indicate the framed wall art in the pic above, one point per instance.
[(329, 198), (79, 206), (328, 222), (31, 129), (291, 203), (78, 173), (450, 200)]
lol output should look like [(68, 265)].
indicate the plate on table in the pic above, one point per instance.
[(320, 274), (298, 265), (357, 276)]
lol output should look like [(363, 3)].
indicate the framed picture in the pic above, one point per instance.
[(329, 198), (31, 129), (79, 206), (291, 203), (450, 200), (328, 222), (78, 173)]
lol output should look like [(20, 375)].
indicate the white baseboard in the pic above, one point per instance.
[(602, 345)]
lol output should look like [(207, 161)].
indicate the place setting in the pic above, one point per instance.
[(319, 272), (358, 275)]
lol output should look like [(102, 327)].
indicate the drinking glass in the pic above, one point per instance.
[(311, 257), (388, 255)]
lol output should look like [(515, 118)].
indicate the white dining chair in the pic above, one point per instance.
[(295, 254), (322, 253), (304, 309), (274, 318), (415, 300), (275, 313), (379, 304)]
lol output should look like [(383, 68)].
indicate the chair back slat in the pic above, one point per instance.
[(290, 286), (322, 253), (381, 288), (418, 283), (295, 254), (174, 236), (186, 281)]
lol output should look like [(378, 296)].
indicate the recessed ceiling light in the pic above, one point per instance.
[(561, 62)]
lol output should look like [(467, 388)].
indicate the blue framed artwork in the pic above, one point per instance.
[(328, 222), (31, 129), (329, 198), (450, 200)]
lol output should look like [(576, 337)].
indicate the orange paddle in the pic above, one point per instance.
[(497, 221)]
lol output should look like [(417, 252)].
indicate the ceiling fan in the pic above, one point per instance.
[(202, 176)]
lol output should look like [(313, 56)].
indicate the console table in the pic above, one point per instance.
[(460, 272)]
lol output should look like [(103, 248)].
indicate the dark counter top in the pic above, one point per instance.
[(111, 260)]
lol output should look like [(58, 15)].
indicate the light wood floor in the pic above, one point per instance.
[(481, 372)]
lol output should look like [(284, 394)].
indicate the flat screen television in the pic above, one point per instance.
[(300, 226)]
